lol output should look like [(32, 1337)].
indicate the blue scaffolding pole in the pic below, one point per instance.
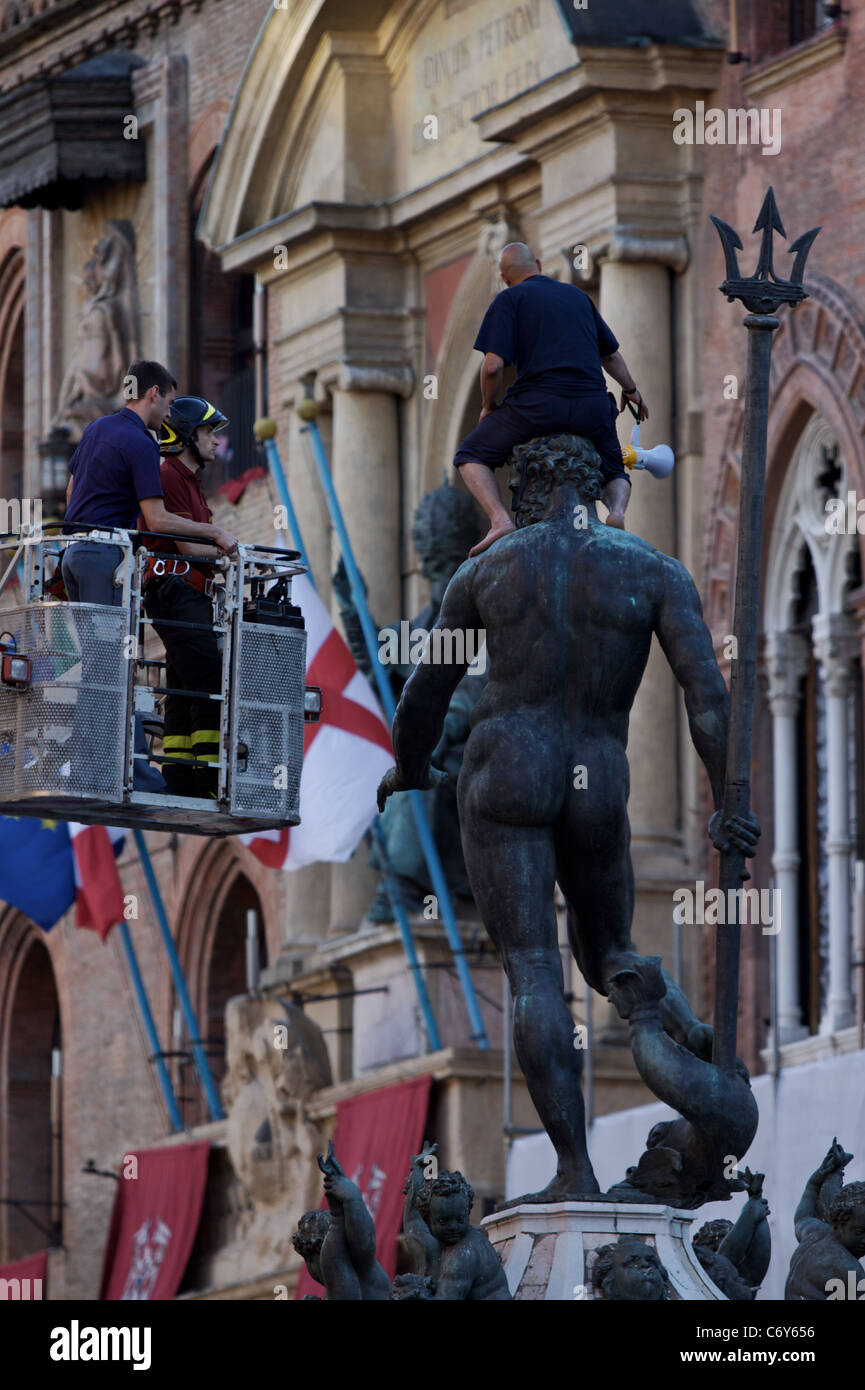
[(150, 1026), (213, 1105), (432, 1032), (308, 412)]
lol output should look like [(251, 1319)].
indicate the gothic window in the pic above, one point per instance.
[(813, 650)]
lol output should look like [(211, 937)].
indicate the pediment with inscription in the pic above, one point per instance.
[(469, 56)]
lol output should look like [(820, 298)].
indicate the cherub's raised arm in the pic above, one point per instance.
[(422, 1245), (831, 1171)]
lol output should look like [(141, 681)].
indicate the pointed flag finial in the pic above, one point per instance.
[(764, 291)]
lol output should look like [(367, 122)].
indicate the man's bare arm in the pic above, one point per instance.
[(686, 643), (492, 372), (616, 367), (158, 519)]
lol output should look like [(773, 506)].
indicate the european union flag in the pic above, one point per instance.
[(37, 872)]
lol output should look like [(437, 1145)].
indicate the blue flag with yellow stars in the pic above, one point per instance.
[(37, 871)]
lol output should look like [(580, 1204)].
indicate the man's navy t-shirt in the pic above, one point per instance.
[(553, 334), (115, 465)]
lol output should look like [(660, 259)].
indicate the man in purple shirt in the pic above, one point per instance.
[(115, 475), (559, 344)]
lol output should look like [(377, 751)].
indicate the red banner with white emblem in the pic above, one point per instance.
[(156, 1214), (376, 1135), (24, 1280)]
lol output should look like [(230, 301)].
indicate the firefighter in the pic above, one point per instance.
[(178, 590)]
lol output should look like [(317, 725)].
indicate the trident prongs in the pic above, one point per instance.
[(763, 292)]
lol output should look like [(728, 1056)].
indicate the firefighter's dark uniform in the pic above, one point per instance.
[(178, 589)]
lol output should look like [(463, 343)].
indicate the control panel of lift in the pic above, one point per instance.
[(80, 702)]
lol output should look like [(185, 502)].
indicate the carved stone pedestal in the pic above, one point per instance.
[(549, 1251)]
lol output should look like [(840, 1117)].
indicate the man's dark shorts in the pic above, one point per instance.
[(591, 417)]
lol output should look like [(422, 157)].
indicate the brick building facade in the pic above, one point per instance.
[(288, 155)]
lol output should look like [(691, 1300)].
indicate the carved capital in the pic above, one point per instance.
[(358, 376), (785, 663), (836, 644), (638, 244)]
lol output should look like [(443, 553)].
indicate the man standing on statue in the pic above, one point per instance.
[(559, 343), (569, 615)]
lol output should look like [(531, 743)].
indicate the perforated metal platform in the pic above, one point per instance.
[(67, 736), (184, 815)]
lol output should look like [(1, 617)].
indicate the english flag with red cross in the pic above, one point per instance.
[(345, 754)]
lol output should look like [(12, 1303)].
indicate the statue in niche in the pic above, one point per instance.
[(445, 527), (736, 1257), (277, 1061), (630, 1271), (830, 1230), (107, 336)]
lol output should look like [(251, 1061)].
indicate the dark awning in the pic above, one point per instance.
[(62, 135), (635, 21)]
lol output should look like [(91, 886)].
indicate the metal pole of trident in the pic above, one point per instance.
[(762, 294), (308, 411), (265, 430)]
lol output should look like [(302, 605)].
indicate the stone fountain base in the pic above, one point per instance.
[(548, 1251)]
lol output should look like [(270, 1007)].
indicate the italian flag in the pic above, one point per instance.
[(98, 890)]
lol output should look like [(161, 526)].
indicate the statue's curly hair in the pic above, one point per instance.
[(711, 1233), (548, 461), (851, 1196), (446, 518), (445, 1185), (312, 1228), (606, 1257)]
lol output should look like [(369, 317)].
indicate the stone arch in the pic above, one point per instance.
[(30, 1026), (205, 138), (799, 520), (276, 74), (219, 877), (283, 97), (818, 368), (12, 300)]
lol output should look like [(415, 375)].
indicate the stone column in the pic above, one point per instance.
[(367, 476), (161, 101), (836, 643), (635, 299), (786, 663)]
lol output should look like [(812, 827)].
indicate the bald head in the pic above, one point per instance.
[(517, 262)]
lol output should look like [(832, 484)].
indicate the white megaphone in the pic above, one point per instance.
[(658, 461)]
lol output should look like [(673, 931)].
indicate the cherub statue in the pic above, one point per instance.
[(307, 1240), (736, 1258), (630, 1271), (443, 1243), (830, 1229), (339, 1251)]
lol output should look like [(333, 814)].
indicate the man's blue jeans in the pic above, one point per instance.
[(88, 573)]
